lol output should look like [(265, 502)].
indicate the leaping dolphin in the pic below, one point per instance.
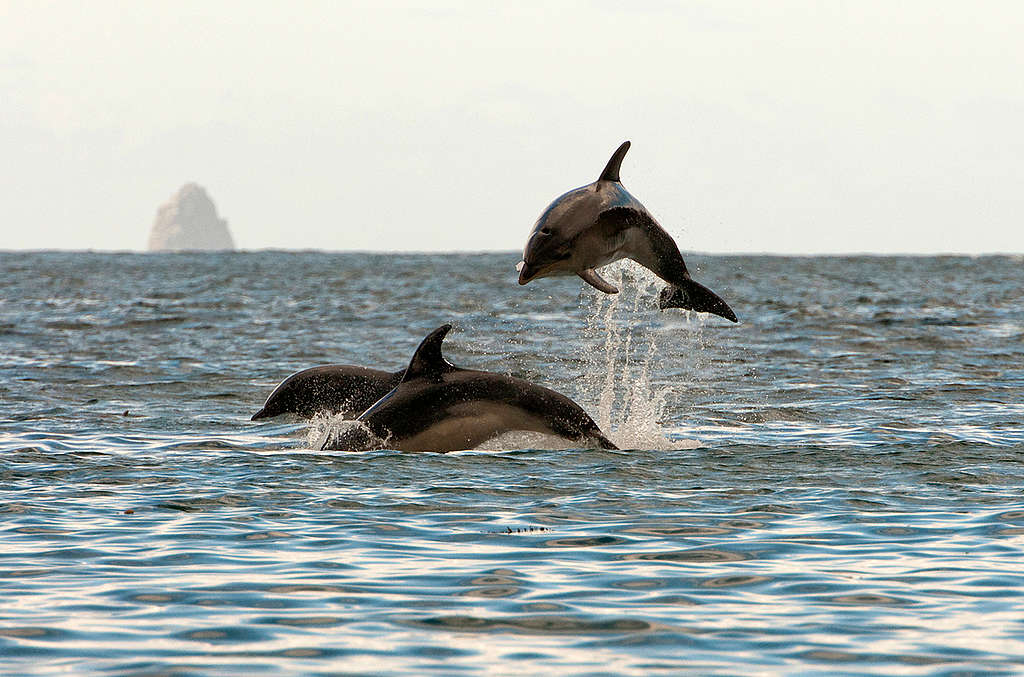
[(331, 389), (440, 407), (601, 222)]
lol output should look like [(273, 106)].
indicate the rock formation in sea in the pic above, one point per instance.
[(189, 221)]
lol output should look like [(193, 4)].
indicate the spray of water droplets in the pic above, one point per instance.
[(323, 429), (621, 346)]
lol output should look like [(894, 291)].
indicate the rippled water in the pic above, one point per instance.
[(834, 485)]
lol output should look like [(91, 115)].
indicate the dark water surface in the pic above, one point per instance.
[(836, 485)]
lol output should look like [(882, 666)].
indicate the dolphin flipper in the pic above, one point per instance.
[(591, 277), (691, 295)]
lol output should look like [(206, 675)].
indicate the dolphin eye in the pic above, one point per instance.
[(545, 230)]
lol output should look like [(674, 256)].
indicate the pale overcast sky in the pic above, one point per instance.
[(807, 127)]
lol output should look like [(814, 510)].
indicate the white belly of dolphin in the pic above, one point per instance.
[(468, 425)]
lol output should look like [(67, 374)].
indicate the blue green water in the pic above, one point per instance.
[(835, 485)]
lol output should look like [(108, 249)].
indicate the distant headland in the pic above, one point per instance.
[(188, 222)]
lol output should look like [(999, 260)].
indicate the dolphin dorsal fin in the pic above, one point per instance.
[(427, 361), (611, 170)]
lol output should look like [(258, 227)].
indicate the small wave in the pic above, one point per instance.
[(541, 625)]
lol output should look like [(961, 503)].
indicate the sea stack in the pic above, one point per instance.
[(189, 221)]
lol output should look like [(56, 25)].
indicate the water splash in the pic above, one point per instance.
[(324, 429), (621, 346)]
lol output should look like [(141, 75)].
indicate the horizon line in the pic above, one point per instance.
[(514, 252)]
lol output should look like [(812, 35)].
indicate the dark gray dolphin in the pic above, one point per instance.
[(440, 407), (330, 389), (601, 222)]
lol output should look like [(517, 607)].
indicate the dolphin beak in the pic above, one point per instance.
[(526, 273)]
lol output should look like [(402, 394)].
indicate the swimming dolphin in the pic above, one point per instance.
[(331, 389), (440, 407), (601, 222)]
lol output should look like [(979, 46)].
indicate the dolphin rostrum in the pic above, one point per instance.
[(440, 407), (331, 389), (601, 222)]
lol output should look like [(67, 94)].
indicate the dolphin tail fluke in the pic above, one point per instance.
[(603, 442), (262, 413), (691, 295)]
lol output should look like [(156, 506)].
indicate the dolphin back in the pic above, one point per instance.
[(332, 389)]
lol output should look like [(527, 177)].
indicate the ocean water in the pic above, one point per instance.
[(835, 485)]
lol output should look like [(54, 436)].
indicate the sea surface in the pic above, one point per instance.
[(833, 486)]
